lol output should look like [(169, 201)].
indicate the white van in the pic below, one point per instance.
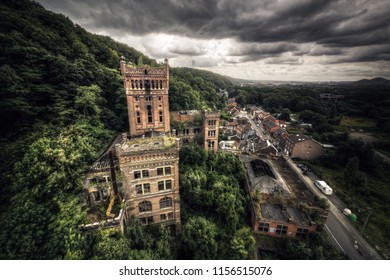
[(323, 186)]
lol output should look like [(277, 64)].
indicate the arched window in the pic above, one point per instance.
[(145, 206), (149, 109), (138, 117), (141, 84), (161, 84), (161, 116), (136, 83), (152, 84), (165, 202), (132, 84)]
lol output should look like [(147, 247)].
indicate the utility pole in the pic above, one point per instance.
[(365, 223)]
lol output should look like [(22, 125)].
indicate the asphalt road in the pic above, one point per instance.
[(338, 227), (342, 239)]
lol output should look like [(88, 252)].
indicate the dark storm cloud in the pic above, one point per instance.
[(287, 60), (366, 54), (254, 52), (187, 50), (333, 24)]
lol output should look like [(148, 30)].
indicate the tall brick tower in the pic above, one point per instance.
[(210, 130), (147, 97)]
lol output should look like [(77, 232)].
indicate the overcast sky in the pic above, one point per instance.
[(302, 40)]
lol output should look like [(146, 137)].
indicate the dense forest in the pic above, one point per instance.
[(61, 102)]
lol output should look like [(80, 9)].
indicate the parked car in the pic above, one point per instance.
[(323, 186)]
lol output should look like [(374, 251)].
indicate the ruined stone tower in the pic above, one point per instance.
[(147, 97), (210, 130)]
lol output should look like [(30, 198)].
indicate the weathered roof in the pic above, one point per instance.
[(185, 115), (148, 144), (273, 212), (270, 124), (295, 138)]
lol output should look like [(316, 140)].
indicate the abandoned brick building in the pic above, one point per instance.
[(147, 159), (279, 208)]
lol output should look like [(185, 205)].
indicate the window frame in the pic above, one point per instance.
[(145, 206), (166, 202)]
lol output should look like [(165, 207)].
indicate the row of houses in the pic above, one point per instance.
[(292, 145), (234, 128), (243, 136)]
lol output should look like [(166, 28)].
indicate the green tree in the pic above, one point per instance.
[(199, 238), (242, 245), (351, 172), (285, 115), (89, 100), (140, 61)]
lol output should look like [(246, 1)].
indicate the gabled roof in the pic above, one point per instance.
[(279, 131), (269, 118), (270, 124)]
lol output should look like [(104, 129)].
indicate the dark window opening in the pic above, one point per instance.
[(263, 227), (138, 117), (150, 118), (165, 202), (147, 220), (137, 174), (302, 233), (145, 173), (145, 206), (168, 184), (281, 230), (161, 185)]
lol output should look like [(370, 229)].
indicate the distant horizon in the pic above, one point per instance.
[(297, 81)]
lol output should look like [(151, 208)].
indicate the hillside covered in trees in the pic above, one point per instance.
[(61, 101)]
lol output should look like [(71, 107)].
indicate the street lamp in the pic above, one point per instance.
[(365, 223)]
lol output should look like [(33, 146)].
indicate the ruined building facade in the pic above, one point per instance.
[(150, 170)]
